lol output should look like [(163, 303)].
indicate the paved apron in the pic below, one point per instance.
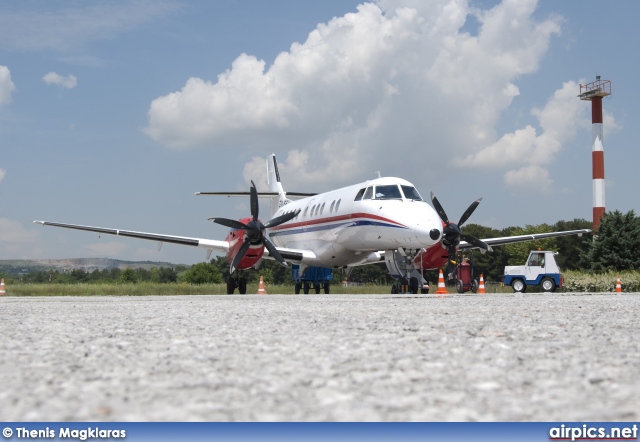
[(559, 357)]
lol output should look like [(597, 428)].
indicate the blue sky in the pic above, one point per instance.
[(113, 114)]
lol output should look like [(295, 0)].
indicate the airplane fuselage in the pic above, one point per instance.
[(348, 225)]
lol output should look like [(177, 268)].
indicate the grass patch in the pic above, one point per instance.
[(182, 289)]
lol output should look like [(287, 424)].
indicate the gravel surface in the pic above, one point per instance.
[(539, 357)]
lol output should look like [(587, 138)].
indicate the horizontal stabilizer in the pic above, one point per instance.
[(260, 194)]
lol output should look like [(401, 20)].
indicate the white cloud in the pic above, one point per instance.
[(6, 85), (560, 120), (525, 152), (68, 82), (529, 179), (393, 80)]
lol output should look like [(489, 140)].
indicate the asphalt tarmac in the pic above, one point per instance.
[(525, 357)]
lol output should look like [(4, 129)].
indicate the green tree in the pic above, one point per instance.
[(490, 264), (616, 245), (167, 275), (128, 276), (572, 247), (203, 273)]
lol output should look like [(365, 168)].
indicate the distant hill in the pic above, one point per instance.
[(17, 266)]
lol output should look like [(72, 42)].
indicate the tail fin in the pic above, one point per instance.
[(273, 180)]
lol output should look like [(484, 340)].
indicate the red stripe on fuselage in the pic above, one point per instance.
[(335, 218)]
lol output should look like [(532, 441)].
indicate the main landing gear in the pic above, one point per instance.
[(408, 285), (236, 282)]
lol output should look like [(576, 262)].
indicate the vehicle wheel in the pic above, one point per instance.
[(242, 286), (413, 285), (459, 286), (548, 285), (474, 286), (326, 288), (316, 287), (305, 288), (231, 286), (518, 285), (297, 288)]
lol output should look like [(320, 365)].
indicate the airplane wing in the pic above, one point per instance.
[(520, 238), (210, 244)]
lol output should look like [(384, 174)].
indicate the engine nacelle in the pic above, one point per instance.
[(236, 240)]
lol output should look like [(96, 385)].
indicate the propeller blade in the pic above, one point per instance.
[(274, 252), (465, 216), (240, 254), (476, 242), (254, 201), (281, 219), (439, 209), (231, 223)]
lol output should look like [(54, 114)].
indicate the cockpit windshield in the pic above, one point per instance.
[(390, 192), (411, 193)]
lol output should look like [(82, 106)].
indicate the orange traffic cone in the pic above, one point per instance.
[(2, 290), (442, 290), (262, 287), (618, 286), (481, 287)]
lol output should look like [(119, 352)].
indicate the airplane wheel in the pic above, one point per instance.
[(231, 286), (413, 285), (518, 285), (474, 286), (242, 286), (326, 288), (424, 291), (548, 285), (316, 287), (305, 288), (394, 289), (297, 288), (459, 286)]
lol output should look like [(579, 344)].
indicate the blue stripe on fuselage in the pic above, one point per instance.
[(318, 228)]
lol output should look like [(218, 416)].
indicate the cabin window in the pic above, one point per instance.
[(391, 192), (411, 193), (338, 204), (333, 203), (313, 209), (304, 215), (368, 194), (359, 195), (321, 208), (536, 259)]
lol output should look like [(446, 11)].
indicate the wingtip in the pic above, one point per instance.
[(38, 222)]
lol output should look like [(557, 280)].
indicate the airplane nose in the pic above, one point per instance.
[(427, 235)]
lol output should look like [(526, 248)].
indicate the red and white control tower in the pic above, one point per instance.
[(594, 92)]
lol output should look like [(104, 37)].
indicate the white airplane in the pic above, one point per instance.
[(380, 220)]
